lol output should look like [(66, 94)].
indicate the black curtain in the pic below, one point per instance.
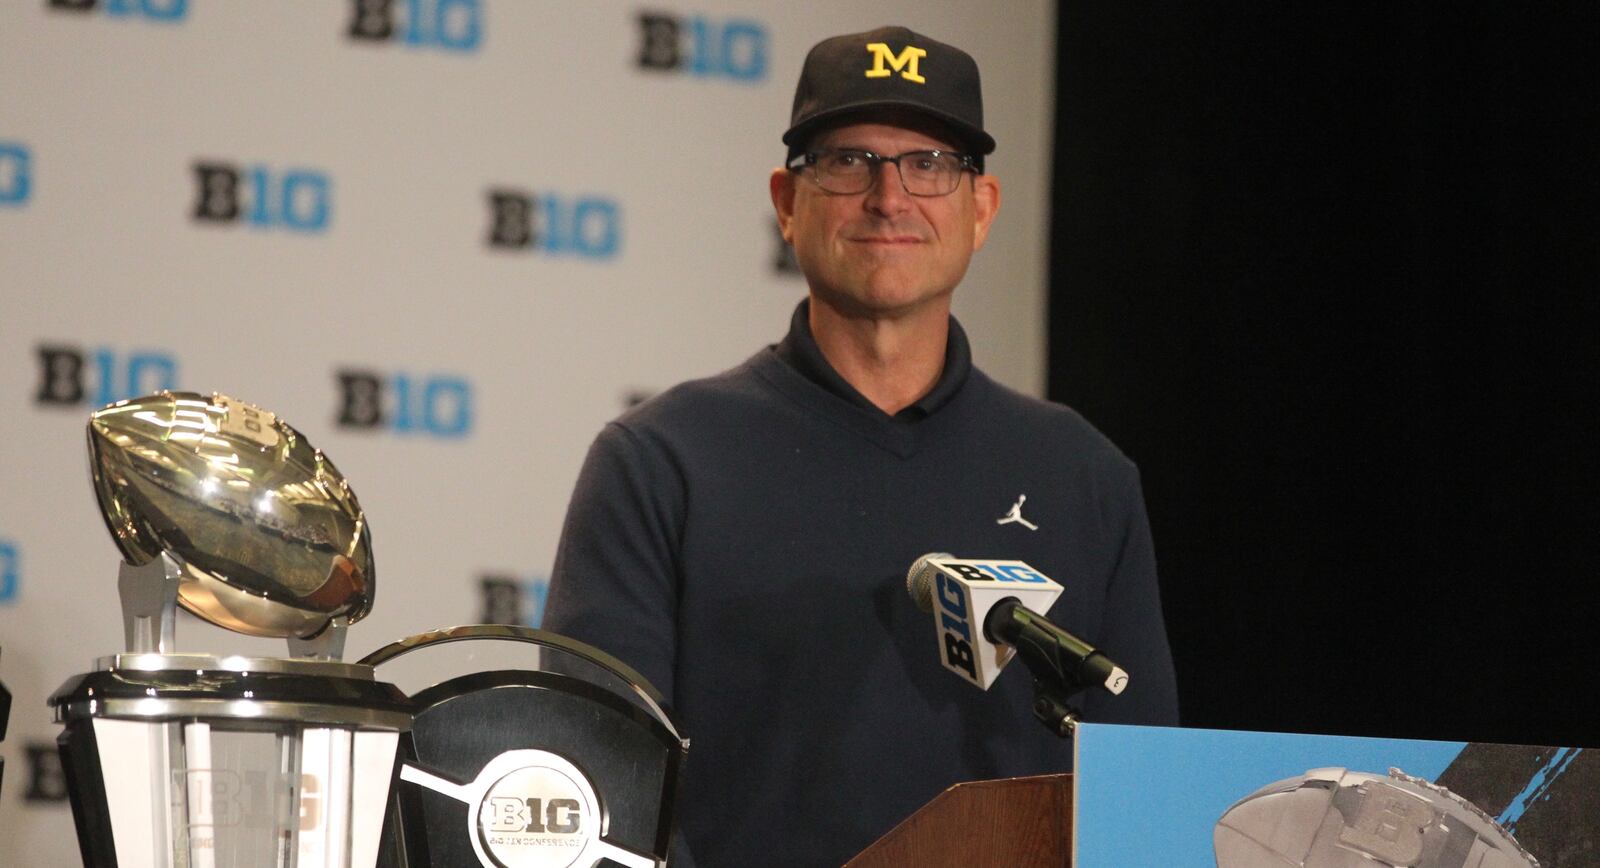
[(1329, 275)]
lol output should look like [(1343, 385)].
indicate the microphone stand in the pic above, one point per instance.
[(1053, 680), (1050, 707)]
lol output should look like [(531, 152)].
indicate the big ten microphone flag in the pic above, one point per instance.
[(448, 239)]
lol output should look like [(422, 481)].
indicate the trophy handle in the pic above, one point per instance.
[(150, 604)]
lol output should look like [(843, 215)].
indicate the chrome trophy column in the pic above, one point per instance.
[(206, 760)]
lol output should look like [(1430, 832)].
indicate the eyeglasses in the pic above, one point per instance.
[(847, 171)]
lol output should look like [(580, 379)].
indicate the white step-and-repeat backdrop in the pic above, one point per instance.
[(446, 239)]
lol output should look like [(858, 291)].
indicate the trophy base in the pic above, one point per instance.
[(195, 761)]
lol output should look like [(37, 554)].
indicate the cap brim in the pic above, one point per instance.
[(972, 139)]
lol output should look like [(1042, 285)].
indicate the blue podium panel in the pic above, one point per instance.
[(1224, 799)]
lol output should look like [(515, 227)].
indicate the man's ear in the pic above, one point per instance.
[(985, 204), (781, 186)]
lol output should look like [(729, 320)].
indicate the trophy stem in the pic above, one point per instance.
[(327, 645), (150, 604)]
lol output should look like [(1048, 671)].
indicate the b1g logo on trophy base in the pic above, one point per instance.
[(535, 806), (531, 809)]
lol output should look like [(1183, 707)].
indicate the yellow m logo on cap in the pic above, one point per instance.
[(904, 63)]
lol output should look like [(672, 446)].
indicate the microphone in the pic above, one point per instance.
[(1070, 661), (919, 580), (982, 622)]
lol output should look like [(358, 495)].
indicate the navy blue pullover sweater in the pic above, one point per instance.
[(743, 541)]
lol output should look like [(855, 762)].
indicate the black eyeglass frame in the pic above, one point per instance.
[(969, 163)]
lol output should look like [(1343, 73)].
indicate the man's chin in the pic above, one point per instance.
[(885, 302)]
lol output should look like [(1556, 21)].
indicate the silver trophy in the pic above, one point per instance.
[(1336, 818), (190, 760)]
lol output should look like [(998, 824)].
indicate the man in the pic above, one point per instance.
[(743, 540)]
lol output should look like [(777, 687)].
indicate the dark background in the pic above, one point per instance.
[(1329, 275)]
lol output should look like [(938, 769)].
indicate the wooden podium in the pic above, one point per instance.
[(1015, 822)]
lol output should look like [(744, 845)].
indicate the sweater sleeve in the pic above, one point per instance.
[(615, 581), (1134, 632)]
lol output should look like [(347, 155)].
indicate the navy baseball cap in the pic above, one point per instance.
[(849, 77)]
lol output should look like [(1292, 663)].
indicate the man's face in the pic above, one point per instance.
[(883, 252)]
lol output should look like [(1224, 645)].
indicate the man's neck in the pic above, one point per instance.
[(891, 361)]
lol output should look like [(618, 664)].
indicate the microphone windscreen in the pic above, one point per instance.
[(919, 580)]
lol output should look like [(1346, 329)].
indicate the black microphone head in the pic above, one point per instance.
[(919, 580)]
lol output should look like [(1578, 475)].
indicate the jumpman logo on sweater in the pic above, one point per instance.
[(1015, 515)]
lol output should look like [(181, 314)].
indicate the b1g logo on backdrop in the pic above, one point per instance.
[(450, 25), (588, 227), (46, 780), (783, 260), (71, 376), (261, 197), (734, 49), (10, 572), (149, 10), (16, 173), (513, 600), (432, 405), (636, 395)]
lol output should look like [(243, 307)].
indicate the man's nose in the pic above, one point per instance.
[(888, 192)]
